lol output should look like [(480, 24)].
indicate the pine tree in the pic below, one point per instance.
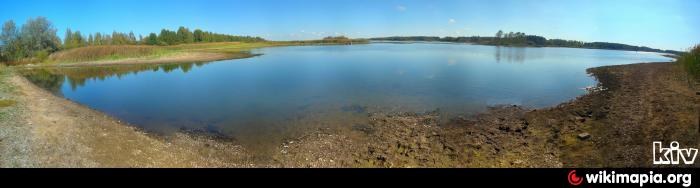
[(132, 38), (68, 40), (98, 38)]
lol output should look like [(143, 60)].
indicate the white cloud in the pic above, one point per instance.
[(451, 21), (401, 8)]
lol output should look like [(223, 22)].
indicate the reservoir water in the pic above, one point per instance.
[(266, 98)]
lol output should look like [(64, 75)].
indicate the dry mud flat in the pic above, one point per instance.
[(610, 127)]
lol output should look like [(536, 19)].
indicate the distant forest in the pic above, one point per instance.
[(521, 39), (37, 38)]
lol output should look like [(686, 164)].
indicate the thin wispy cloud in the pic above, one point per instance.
[(401, 8), (451, 21)]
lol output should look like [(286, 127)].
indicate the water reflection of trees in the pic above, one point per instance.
[(510, 54), (45, 79), (52, 78)]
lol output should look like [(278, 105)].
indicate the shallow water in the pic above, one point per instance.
[(263, 99)]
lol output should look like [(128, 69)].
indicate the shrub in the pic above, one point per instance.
[(95, 53), (691, 61)]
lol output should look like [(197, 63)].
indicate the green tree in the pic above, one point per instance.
[(184, 35), (167, 37), (68, 39), (90, 40), (106, 40), (118, 38), (39, 35), (98, 39), (152, 39), (78, 40), (10, 45), (132, 38), (198, 35)]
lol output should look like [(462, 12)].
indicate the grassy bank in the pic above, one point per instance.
[(5, 89), (148, 52)]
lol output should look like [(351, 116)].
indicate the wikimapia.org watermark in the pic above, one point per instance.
[(603, 177), (673, 155)]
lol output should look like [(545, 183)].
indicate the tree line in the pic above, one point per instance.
[(183, 35), (76, 39), (37, 38), (521, 39)]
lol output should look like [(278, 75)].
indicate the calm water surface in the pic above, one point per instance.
[(266, 98)]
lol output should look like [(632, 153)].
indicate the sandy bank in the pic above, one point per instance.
[(54, 132)]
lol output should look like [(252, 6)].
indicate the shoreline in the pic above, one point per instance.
[(62, 133), (185, 53), (196, 55), (184, 57)]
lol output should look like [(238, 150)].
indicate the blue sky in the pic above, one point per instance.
[(666, 24)]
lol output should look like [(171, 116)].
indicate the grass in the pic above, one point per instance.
[(691, 61), (6, 103), (6, 91), (96, 53), (5, 87), (117, 52)]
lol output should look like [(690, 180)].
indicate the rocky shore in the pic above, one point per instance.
[(612, 126)]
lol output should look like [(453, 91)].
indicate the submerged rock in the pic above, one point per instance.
[(354, 108)]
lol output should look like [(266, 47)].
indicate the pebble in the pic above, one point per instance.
[(584, 136)]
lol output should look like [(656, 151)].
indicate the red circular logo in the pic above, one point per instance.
[(573, 179)]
